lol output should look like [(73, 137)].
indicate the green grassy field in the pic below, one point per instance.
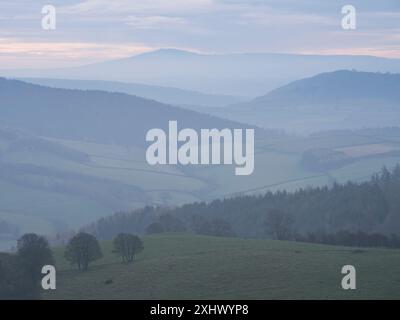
[(199, 267)]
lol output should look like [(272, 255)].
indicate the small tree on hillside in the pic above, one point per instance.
[(221, 228), (154, 228), (171, 223), (217, 227), (166, 223), (34, 252), (16, 282), (279, 224), (127, 246), (83, 249)]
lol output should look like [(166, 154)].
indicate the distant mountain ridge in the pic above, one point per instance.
[(242, 74), (167, 95), (341, 86)]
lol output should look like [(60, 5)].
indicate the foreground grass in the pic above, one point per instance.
[(198, 267)]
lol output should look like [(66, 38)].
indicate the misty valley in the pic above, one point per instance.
[(213, 147), (181, 193)]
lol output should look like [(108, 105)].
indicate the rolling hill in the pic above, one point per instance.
[(175, 266), (74, 156), (328, 101), (95, 116), (341, 87), (168, 95)]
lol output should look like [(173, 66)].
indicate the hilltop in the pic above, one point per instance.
[(343, 99), (343, 87)]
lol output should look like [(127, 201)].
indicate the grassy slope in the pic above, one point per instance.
[(197, 267)]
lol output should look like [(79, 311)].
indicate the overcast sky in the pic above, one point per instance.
[(94, 30)]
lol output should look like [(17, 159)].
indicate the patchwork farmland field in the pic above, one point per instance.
[(70, 191), (369, 149)]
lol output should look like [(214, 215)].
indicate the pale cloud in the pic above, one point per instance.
[(93, 30), (138, 6), (384, 52), (51, 54), (154, 22), (285, 19)]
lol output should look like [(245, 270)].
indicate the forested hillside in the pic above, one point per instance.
[(90, 115), (371, 207)]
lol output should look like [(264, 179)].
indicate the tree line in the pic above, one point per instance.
[(352, 239), (371, 207), (20, 272)]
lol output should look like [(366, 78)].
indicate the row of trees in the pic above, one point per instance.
[(279, 225), (84, 248), (198, 224), (20, 272), (352, 239)]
